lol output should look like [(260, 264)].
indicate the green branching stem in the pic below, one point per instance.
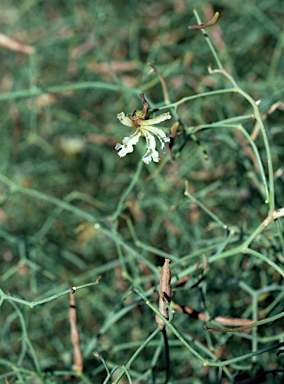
[(135, 355), (254, 105), (36, 91), (33, 304), (128, 190)]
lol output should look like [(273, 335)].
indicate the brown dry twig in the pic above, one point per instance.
[(206, 24), (229, 321), (163, 83), (14, 45), (146, 105), (276, 214), (278, 105), (74, 334)]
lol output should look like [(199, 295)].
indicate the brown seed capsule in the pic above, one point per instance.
[(165, 293), (208, 23)]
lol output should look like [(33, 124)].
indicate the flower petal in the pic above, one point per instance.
[(157, 119), (160, 135), (125, 120), (151, 154), (127, 144)]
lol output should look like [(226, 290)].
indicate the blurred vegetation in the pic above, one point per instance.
[(72, 210)]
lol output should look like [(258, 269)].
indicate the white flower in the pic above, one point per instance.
[(144, 128)]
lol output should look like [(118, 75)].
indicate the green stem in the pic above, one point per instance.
[(33, 304), (211, 46), (223, 124), (243, 357), (170, 325), (128, 190), (200, 95), (26, 341), (139, 350), (257, 114), (35, 91), (203, 207), (265, 259)]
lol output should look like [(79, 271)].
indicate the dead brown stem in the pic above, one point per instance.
[(74, 335)]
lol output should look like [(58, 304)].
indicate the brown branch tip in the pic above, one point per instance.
[(145, 103), (207, 23)]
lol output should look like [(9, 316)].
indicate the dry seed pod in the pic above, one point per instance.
[(74, 334), (165, 293)]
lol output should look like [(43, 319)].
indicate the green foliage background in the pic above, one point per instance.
[(69, 215)]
